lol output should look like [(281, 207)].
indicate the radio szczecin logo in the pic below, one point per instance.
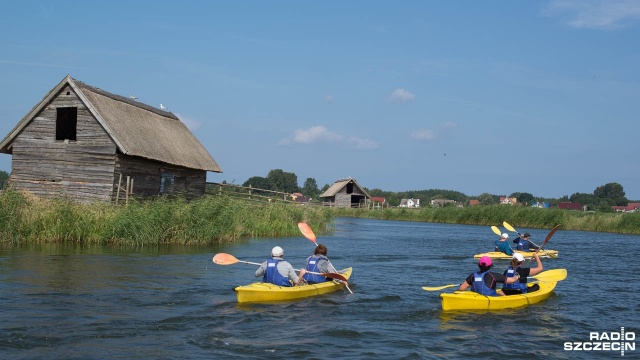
[(606, 341)]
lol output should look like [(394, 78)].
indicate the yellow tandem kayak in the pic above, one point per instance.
[(266, 292), (527, 254), (469, 300)]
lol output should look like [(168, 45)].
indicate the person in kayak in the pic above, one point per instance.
[(524, 243), (484, 281), (279, 272), (516, 270), (319, 263), (502, 245)]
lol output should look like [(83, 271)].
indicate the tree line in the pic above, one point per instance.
[(602, 198)]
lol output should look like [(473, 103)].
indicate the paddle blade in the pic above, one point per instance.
[(553, 231), (305, 229), (508, 227), (496, 230), (436, 288), (335, 276), (552, 275), (224, 259)]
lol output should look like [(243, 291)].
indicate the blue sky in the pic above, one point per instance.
[(499, 97)]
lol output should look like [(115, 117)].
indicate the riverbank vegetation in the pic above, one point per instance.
[(517, 216), (210, 219)]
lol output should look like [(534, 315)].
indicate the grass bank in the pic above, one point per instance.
[(163, 221), (517, 216)]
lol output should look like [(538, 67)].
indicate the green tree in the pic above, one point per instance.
[(284, 181), (310, 188), (583, 198), (259, 182), (523, 198), (612, 191), (486, 199), (4, 176)]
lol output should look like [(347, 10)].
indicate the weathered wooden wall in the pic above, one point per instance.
[(81, 169), (147, 176)]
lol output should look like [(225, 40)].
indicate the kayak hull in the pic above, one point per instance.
[(527, 254), (469, 300), (266, 292)]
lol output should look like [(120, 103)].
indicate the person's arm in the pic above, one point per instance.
[(324, 266), (287, 270), (538, 269), (301, 277), (503, 279), (261, 269), (465, 284)]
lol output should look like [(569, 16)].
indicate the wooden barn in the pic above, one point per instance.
[(81, 142), (346, 193)]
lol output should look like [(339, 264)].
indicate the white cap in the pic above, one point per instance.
[(277, 251), (518, 257), (505, 236)]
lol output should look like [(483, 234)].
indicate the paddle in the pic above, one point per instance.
[(305, 229), (552, 275), (228, 259), (496, 230), (511, 228), (546, 240)]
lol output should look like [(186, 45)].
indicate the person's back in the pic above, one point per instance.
[(317, 263), (277, 271), (524, 243), (502, 245), (484, 281)]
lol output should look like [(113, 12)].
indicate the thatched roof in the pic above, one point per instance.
[(338, 185), (137, 129)]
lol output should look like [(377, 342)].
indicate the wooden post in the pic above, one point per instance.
[(118, 191), (126, 197), (131, 187)]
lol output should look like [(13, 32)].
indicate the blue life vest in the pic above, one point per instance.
[(312, 265), (480, 287), (511, 272), (273, 276), (504, 247)]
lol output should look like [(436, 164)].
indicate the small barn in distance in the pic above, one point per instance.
[(346, 193), (79, 141)]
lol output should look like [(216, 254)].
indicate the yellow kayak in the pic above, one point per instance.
[(469, 300), (266, 292), (527, 254)]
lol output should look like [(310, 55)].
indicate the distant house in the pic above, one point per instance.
[(377, 201), (441, 202), (299, 198), (81, 142), (539, 204), (569, 206), (631, 207), (474, 202), (508, 201), (410, 203), (345, 193)]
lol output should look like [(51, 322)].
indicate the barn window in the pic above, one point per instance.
[(66, 121), (166, 182), (349, 188)]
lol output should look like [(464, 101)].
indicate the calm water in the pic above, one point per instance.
[(101, 302)]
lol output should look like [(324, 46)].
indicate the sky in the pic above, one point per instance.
[(499, 97)]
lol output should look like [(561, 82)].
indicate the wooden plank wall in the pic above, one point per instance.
[(81, 169), (147, 174)]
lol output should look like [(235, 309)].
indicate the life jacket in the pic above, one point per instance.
[(524, 245), (273, 276), (511, 272), (480, 287), (312, 265), (504, 247)]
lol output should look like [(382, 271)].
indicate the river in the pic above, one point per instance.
[(95, 302)]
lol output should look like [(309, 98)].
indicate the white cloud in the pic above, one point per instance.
[(595, 14), (427, 134), (401, 95), (320, 134), (190, 123)]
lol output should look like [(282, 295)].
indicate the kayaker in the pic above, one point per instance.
[(279, 272), (502, 245), (484, 281), (319, 263), (516, 270), (524, 243)]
